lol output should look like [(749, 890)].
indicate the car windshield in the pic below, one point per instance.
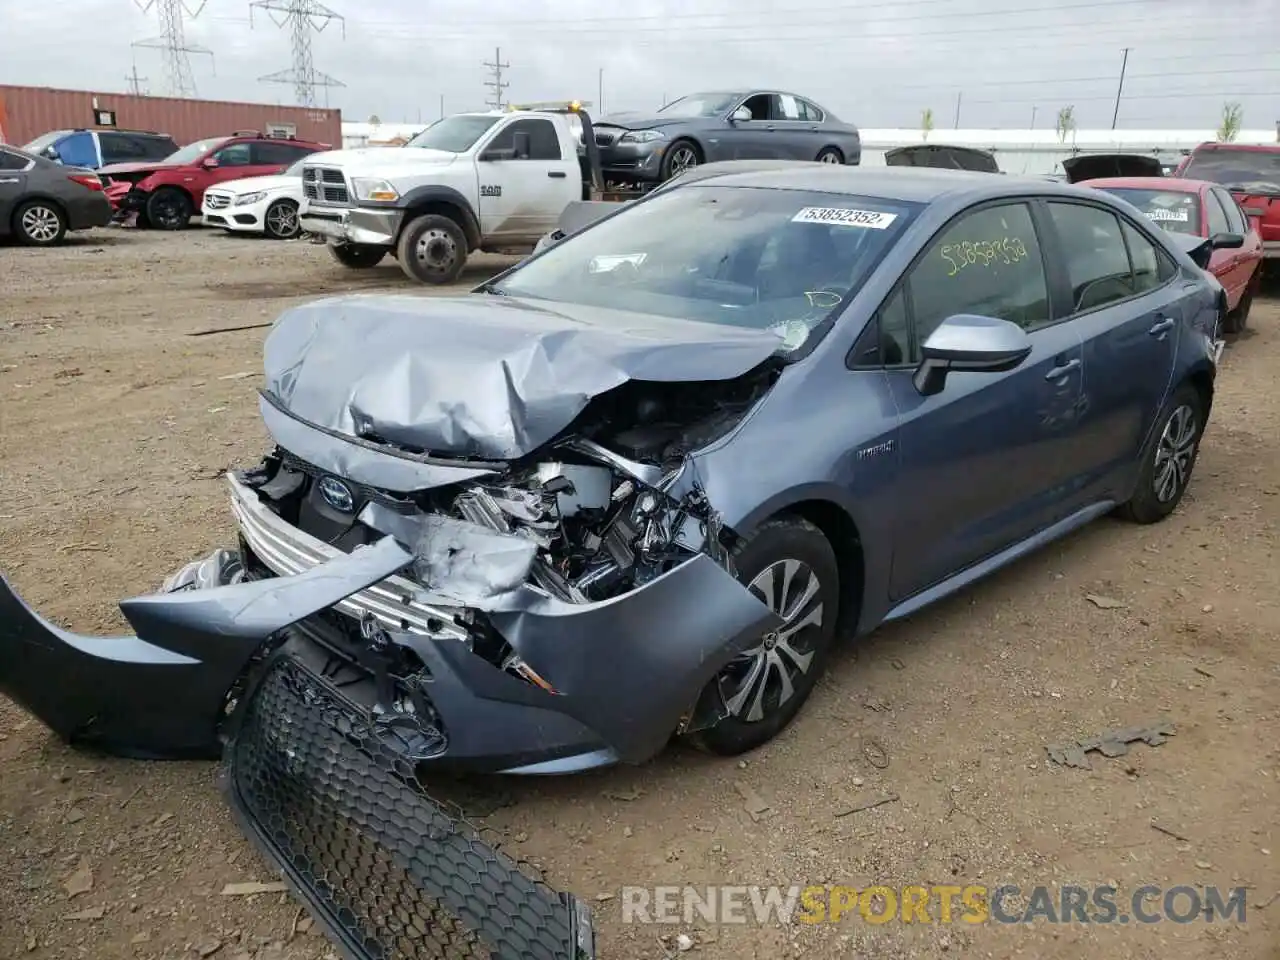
[(743, 256), (1242, 171), (1176, 210), (453, 134), (701, 105), (193, 151)]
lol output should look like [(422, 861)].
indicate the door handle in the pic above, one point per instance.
[(1060, 371), (557, 174), (1162, 327)]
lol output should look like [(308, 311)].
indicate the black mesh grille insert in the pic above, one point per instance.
[(391, 873)]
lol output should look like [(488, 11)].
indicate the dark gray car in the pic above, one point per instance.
[(724, 125), (40, 199)]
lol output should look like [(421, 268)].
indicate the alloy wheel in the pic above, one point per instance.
[(829, 158), (167, 214), (762, 679), (436, 251), (1175, 453), (282, 220), (682, 158), (41, 224)]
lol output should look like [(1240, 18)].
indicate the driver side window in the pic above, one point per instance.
[(236, 155), (760, 106)]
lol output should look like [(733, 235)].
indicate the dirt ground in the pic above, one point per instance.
[(116, 422)]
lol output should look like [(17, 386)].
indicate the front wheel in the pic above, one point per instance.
[(830, 155), (169, 209), (1238, 318), (281, 220), (681, 156), (38, 223), (357, 256), (432, 249), (791, 568), (1169, 458)]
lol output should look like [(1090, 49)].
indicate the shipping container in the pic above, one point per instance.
[(27, 112)]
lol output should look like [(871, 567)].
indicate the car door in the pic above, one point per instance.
[(1243, 261), (1222, 263), (796, 138), (1125, 296), (14, 170), (754, 139), (235, 162), (521, 195), (78, 150), (985, 462)]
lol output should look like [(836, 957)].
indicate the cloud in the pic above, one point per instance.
[(877, 63)]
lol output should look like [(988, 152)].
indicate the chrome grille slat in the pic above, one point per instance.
[(326, 186), (288, 551)]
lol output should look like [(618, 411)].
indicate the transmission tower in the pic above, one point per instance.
[(496, 84), (172, 42), (302, 18)]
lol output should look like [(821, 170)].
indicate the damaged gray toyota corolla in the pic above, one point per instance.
[(633, 487)]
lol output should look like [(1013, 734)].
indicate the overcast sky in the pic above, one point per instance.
[(878, 63)]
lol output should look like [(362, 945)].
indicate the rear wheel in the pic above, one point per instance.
[(281, 220), (830, 155), (790, 567), (1169, 458), (39, 223), (357, 256), (432, 249), (169, 209)]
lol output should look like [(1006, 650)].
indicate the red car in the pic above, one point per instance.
[(1252, 174), (166, 194), (1202, 209)]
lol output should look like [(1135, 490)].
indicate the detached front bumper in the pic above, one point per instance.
[(624, 674), (378, 227)]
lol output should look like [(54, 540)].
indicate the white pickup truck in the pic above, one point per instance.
[(475, 181)]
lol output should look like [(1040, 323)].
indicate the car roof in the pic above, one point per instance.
[(1214, 145), (1171, 184), (909, 184)]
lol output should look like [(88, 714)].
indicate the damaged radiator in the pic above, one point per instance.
[(390, 873)]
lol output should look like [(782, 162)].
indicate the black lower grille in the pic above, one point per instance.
[(391, 873)]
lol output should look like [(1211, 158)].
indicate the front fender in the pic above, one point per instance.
[(161, 694)]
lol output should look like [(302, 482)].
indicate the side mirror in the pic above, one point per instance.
[(969, 343), (741, 115), (523, 145), (1226, 241), (498, 153), (210, 163)]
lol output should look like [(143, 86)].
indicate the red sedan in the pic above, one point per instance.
[(1204, 209)]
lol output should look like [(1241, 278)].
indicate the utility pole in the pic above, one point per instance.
[(496, 84), (173, 44), (442, 106), (958, 98), (1033, 119), (135, 81), (302, 18), (1120, 89)]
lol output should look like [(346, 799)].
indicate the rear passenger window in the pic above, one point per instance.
[(987, 263), (1097, 260), (1150, 268)]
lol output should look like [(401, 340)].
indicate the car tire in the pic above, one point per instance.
[(357, 256), (169, 209), (432, 249), (792, 553), (280, 222), (1168, 458), (680, 156), (39, 223), (829, 155), (1238, 318)]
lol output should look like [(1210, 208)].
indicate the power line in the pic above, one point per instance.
[(302, 18), (173, 44), (135, 82), (496, 84)]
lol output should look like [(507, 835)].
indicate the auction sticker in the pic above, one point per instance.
[(1177, 216), (844, 217)]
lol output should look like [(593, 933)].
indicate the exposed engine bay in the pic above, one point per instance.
[(595, 507)]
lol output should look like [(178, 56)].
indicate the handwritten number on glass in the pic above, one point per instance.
[(982, 253)]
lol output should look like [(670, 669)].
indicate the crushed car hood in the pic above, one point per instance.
[(255, 184), (480, 376)]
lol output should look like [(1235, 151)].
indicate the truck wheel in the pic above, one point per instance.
[(357, 256), (169, 209), (432, 249)]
